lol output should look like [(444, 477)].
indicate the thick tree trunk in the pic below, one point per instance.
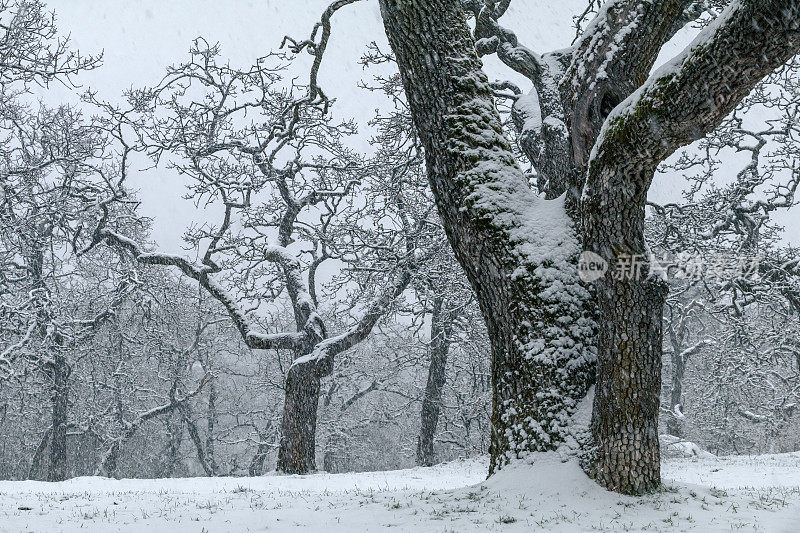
[(296, 453), (479, 192), (542, 352), (631, 305), (626, 402), (441, 329), (604, 67), (670, 110), (608, 65), (60, 404)]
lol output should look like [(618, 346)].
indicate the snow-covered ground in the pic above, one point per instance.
[(701, 494)]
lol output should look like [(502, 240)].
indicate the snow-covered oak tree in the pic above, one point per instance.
[(279, 172), (595, 127), (150, 330)]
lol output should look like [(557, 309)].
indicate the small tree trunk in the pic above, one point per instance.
[(441, 328), (296, 454), (256, 467), (58, 440), (211, 418), (109, 461), (676, 391), (174, 442), (38, 456), (625, 415), (194, 434)]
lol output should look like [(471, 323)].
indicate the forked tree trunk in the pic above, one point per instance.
[(296, 453), (479, 191), (680, 106), (441, 329), (60, 405)]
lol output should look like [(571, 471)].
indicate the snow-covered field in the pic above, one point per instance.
[(709, 494)]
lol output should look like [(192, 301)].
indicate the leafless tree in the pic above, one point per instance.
[(595, 128), (277, 167)]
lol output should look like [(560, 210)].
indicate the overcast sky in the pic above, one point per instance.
[(140, 38)]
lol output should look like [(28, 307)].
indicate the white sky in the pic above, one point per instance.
[(140, 38)]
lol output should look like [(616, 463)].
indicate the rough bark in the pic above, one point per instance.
[(626, 402), (441, 330), (540, 365), (297, 449), (610, 61), (477, 189), (575, 89), (542, 138)]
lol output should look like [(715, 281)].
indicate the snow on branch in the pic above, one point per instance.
[(751, 416), (692, 94), (325, 351), (317, 48), (32, 51), (492, 38), (298, 289), (8, 355), (694, 349), (109, 457), (202, 273), (613, 58)]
